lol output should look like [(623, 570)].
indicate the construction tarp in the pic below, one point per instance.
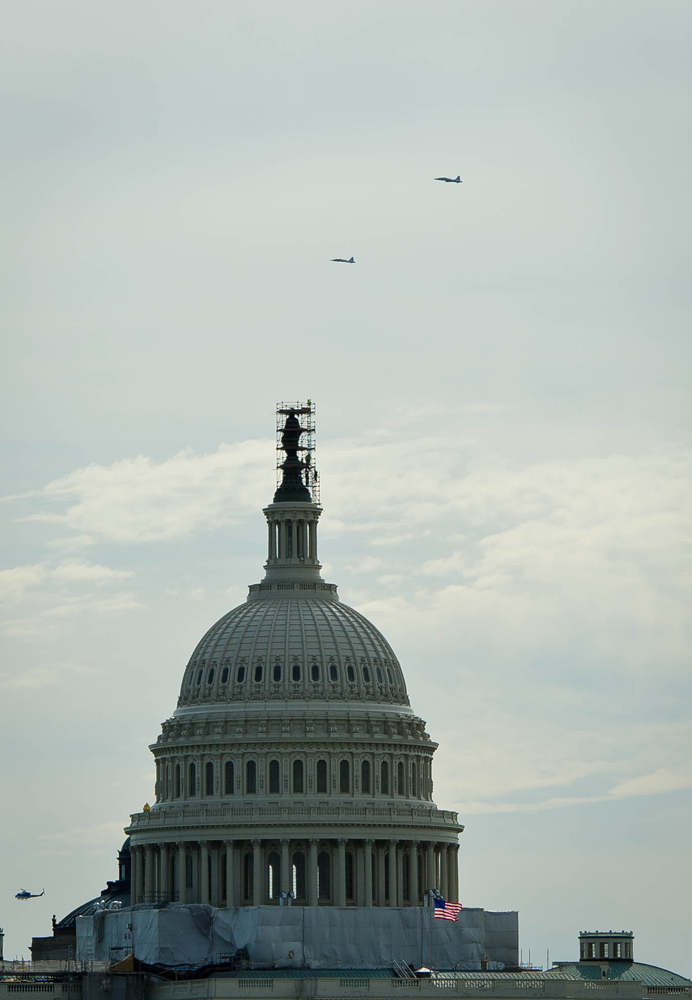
[(303, 937)]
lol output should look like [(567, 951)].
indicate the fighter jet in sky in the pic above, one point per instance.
[(450, 180), (25, 894), (342, 260)]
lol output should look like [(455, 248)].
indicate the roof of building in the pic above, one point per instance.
[(649, 975), (339, 654)]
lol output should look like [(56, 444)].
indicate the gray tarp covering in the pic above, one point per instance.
[(300, 936)]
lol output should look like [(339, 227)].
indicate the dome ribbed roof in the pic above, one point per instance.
[(293, 647)]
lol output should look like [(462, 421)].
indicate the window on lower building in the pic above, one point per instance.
[(298, 873), (604, 949), (251, 777), (209, 778), (344, 777), (274, 875), (229, 778), (322, 786), (400, 782), (298, 777), (384, 777), (192, 779), (617, 950), (365, 777), (274, 777)]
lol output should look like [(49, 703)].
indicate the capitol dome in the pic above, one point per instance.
[(292, 648), (293, 764)]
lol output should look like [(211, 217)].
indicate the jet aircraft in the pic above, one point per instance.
[(342, 260), (450, 180), (25, 894)]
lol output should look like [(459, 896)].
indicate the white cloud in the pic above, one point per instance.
[(15, 582), (39, 677), (82, 572)]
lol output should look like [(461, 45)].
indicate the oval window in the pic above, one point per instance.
[(333, 672), (380, 678), (241, 674), (366, 675), (351, 674), (224, 675), (315, 671), (277, 672), (296, 672), (258, 673), (389, 677), (210, 676), (199, 676)]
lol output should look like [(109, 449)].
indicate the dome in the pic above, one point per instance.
[(292, 648)]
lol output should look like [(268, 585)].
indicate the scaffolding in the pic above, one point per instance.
[(305, 411)]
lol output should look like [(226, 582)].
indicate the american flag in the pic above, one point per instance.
[(446, 910)]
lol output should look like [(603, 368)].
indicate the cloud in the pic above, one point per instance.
[(82, 572), (39, 677), (15, 582), (140, 500)]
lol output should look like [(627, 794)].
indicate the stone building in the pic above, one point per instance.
[(293, 766)]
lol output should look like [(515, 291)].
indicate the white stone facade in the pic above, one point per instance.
[(293, 762)]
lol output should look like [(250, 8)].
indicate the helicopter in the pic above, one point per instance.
[(25, 894)]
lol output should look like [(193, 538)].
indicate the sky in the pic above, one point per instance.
[(503, 415)]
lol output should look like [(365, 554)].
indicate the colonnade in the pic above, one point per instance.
[(341, 872)]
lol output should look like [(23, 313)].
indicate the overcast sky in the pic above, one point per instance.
[(502, 384)]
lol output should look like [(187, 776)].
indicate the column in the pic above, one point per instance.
[(393, 874), (214, 889), (444, 884), (367, 873), (164, 874), (294, 541), (340, 880), (312, 873), (149, 873), (312, 535), (453, 871), (181, 872), (285, 867), (203, 891), (256, 871), (429, 867), (381, 886), (134, 874), (230, 871), (414, 888)]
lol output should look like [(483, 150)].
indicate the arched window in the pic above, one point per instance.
[(192, 779), (365, 777), (384, 777), (400, 783), (322, 786), (298, 777), (333, 672), (323, 875), (315, 671), (351, 674), (414, 779), (259, 670), (210, 676), (251, 777), (344, 777), (380, 678), (178, 791), (276, 674), (273, 875), (295, 672), (248, 873), (229, 778), (209, 778), (350, 880), (224, 675), (366, 674), (241, 675), (298, 873), (274, 777)]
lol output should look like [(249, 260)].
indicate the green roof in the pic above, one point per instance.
[(649, 975)]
